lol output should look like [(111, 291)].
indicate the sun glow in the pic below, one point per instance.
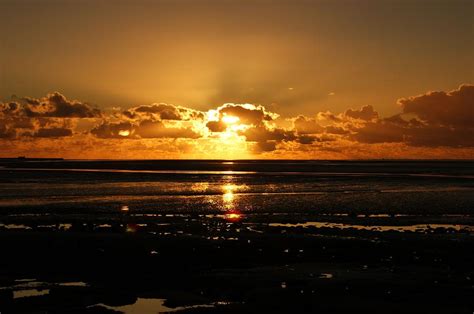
[(230, 119), (124, 132), (229, 145)]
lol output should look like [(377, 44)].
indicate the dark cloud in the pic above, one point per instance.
[(56, 105), (434, 136), (414, 134), (144, 129), (166, 112), (454, 108), (379, 132), (397, 120), (266, 138), (365, 113), (329, 116), (49, 116), (265, 146), (306, 139), (304, 125), (156, 129), (253, 115), (8, 109), (261, 134), (6, 131), (216, 126), (53, 132), (443, 119), (331, 129), (113, 130), (162, 112), (148, 122), (22, 123)]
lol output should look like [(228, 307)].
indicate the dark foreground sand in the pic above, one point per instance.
[(230, 264)]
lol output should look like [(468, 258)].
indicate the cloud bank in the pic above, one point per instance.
[(436, 124)]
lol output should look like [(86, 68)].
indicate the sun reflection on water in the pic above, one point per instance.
[(233, 216), (228, 197)]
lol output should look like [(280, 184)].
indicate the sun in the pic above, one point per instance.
[(229, 142), (124, 132), (230, 119)]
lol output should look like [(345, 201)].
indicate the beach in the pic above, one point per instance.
[(236, 236)]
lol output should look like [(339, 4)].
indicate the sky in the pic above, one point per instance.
[(237, 79)]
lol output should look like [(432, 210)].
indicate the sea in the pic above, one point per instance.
[(253, 187)]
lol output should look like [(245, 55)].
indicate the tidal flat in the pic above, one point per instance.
[(315, 242)]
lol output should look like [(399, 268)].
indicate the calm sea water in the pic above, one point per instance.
[(376, 187)]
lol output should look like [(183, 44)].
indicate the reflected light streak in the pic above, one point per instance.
[(131, 228), (233, 216), (228, 196)]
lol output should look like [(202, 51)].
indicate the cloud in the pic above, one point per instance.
[(156, 129), (254, 122), (438, 122), (53, 132), (216, 126), (6, 131), (304, 125), (247, 113), (307, 139), (413, 133), (441, 119), (435, 136), (365, 113), (268, 139), (262, 134), (113, 130), (148, 121), (328, 116), (163, 112), (265, 146), (379, 132), (56, 105), (50, 116), (454, 108), (144, 129), (331, 129)]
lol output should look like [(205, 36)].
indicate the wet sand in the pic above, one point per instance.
[(236, 237), (235, 263)]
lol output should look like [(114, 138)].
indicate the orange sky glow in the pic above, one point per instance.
[(237, 79)]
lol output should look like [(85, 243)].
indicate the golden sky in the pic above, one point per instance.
[(237, 79)]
